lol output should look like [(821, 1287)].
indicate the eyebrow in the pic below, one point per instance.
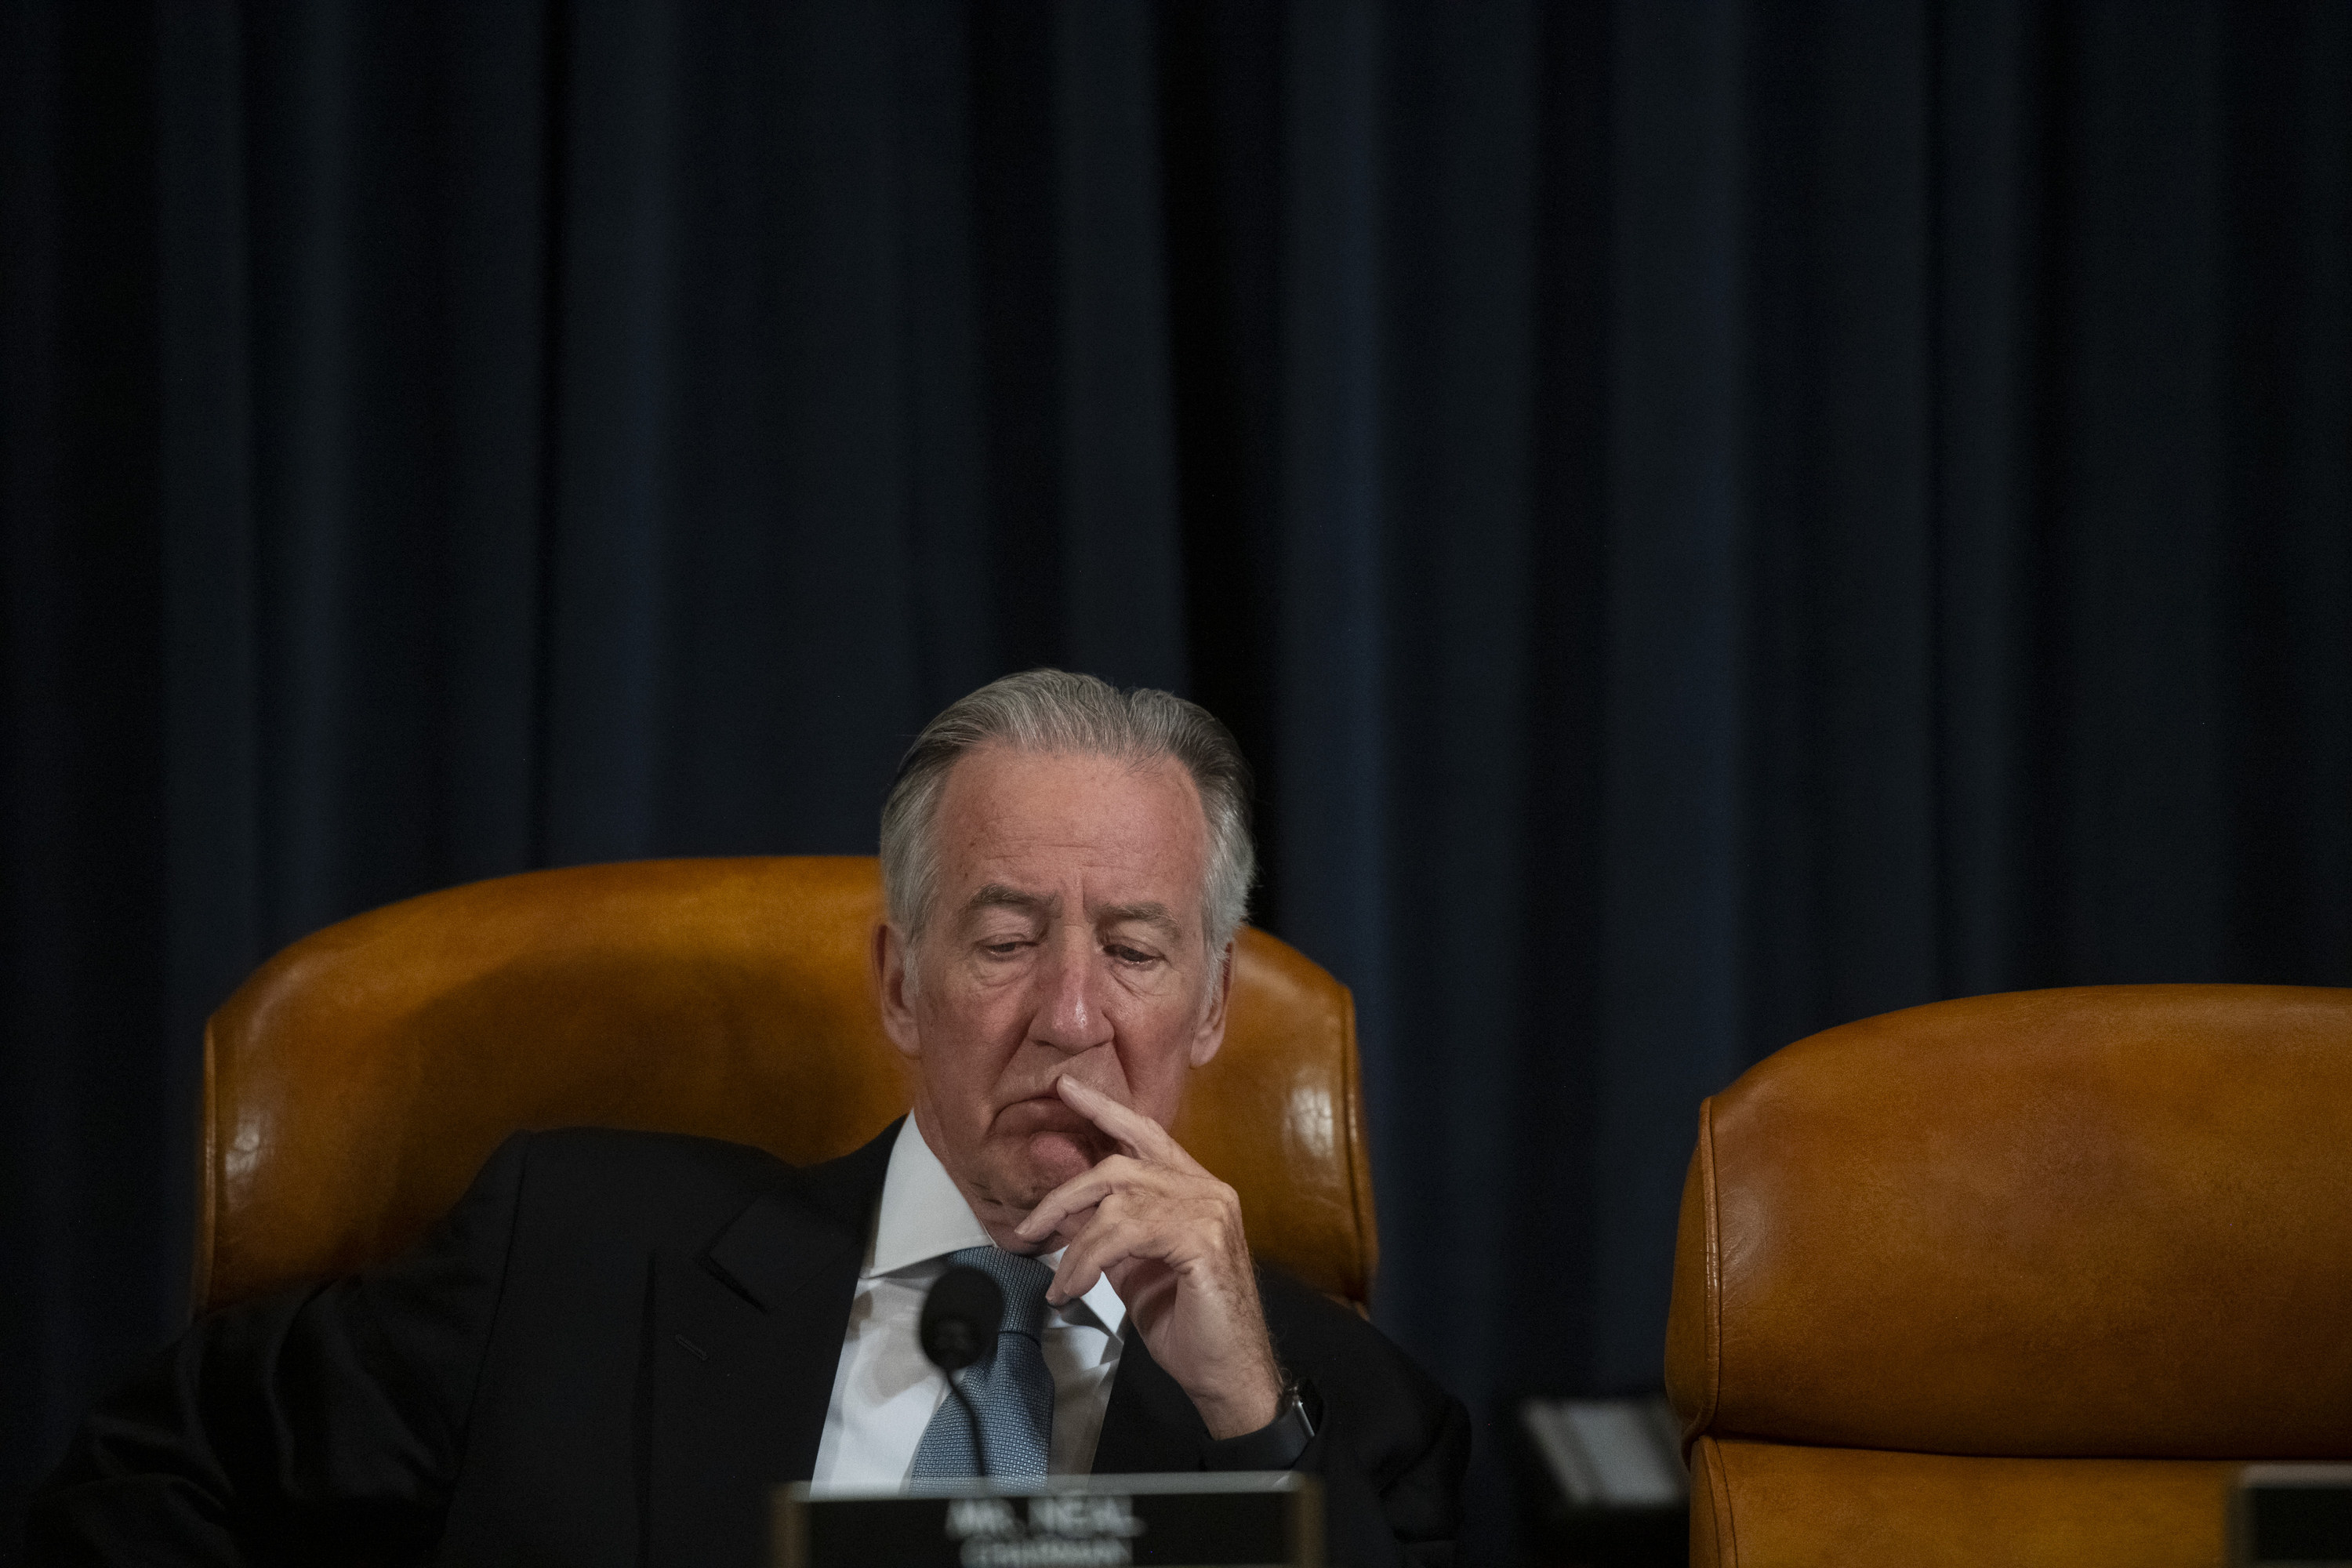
[(998, 896), (1150, 914)]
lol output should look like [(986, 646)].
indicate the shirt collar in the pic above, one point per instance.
[(924, 1217)]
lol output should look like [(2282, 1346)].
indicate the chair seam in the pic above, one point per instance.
[(1718, 1487), (1358, 1173), (1714, 1265)]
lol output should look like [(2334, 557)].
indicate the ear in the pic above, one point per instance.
[(1210, 1037), (889, 963)]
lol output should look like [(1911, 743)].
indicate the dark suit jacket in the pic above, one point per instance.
[(612, 1348)]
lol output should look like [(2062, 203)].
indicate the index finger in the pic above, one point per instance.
[(1141, 1137)]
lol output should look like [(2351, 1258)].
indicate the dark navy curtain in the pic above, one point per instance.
[(1713, 521)]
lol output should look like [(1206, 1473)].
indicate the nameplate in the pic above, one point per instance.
[(1247, 1518), (2299, 1514)]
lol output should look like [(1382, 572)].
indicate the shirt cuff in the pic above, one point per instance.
[(1273, 1447)]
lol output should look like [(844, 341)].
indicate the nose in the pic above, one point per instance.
[(1069, 1015)]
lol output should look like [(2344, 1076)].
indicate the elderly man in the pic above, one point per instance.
[(618, 1340)]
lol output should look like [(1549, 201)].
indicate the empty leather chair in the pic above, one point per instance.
[(356, 1082), (2019, 1280)]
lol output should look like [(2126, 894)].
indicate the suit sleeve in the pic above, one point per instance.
[(1399, 1505), (1391, 1446), (330, 1415)]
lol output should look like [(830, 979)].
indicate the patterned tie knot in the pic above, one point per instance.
[(1023, 1281)]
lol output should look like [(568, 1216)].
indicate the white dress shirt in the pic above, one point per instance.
[(885, 1391)]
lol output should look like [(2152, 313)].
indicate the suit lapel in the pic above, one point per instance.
[(1151, 1424), (742, 1341)]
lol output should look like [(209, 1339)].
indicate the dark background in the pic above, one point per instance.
[(1712, 522)]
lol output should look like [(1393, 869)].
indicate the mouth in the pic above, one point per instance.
[(1046, 1112)]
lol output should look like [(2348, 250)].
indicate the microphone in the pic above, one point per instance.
[(960, 1320)]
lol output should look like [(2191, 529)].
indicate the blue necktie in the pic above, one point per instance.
[(1010, 1386)]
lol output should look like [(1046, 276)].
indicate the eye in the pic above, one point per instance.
[(1127, 955), (1005, 948)]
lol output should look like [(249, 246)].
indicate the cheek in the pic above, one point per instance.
[(967, 1040), (1158, 1064)]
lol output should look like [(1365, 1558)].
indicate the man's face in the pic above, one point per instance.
[(1065, 936)]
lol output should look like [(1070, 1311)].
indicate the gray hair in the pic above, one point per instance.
[(1052, 710)]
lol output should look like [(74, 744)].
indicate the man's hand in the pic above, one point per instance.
[(1168, 1235)]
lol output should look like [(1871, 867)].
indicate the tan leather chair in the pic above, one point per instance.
[(356, 1082), (2017, 1279)]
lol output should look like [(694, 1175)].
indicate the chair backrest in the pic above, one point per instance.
[(2060, 1242), (356, 1082)]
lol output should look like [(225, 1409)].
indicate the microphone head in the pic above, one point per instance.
[(960, 1318)]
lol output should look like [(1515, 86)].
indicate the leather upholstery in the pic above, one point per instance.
[(356, 1083), (1974, 1281), (1814, 1508)]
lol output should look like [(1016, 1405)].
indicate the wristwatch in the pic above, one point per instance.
[(1276, 1444)]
